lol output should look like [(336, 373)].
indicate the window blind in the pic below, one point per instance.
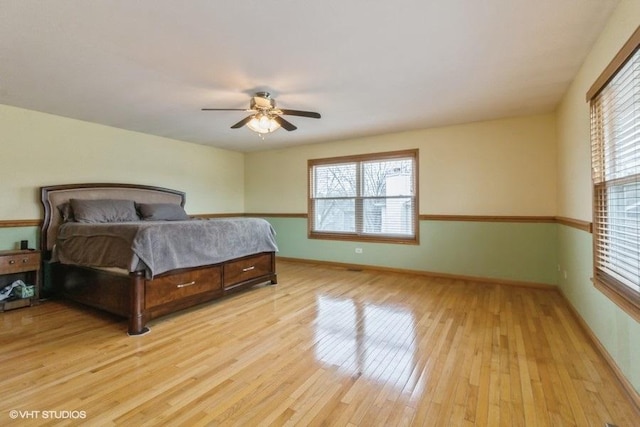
[(615, 143), (368, 197)]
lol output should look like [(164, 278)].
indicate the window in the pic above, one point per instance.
[(369, 197), (615, 145)]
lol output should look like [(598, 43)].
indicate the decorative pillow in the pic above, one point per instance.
[(104, 210), (66, 212), (161, 212)]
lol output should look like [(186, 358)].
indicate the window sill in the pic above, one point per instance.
[(624, 298), (369, 239)]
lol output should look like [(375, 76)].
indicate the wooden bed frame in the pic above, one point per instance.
[(131, 295)]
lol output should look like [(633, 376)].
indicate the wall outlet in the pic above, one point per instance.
[(358, 250)]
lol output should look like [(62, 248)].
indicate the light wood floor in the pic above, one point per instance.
[(324, 347)]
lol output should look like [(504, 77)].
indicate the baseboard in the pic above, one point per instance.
[(624, 383), (348, 266)]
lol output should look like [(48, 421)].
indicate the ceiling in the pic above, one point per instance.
[(369, 67)]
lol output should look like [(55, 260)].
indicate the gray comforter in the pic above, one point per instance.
[(160, 246)]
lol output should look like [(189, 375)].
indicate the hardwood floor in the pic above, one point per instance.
[(323, 347)]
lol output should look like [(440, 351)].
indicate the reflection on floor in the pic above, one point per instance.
[(366, 339)]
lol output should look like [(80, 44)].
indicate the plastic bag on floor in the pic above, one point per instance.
[(17, 289)]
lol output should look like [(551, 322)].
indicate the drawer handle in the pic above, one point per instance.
[(12, 261), (25, 260), (248, 268), (184, 285)]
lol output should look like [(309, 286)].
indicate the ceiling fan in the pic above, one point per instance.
[(265, 117)]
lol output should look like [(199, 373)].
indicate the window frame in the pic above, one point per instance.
[(622, 295), (359, 159)]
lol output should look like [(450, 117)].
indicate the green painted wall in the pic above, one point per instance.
[(617, 331), (523, 252), (10, 237)]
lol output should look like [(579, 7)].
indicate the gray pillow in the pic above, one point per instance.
[(161, 212), (66, 212), (104, 210)]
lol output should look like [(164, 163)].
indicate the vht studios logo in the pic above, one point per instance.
[(51, 415)]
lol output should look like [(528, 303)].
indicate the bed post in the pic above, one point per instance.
[(136, 317), (274, 275)]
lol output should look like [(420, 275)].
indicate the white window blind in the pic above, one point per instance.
[(615, 142), (364, 197)]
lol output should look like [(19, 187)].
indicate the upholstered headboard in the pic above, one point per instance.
[(56, 195)]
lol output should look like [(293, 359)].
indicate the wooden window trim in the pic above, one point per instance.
[(618, 61), (415, 240), (623, 296)]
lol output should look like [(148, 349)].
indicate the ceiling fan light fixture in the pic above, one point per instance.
[(265, 117), (262, 123)]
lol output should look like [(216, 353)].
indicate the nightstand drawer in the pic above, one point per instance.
[(17, 263)]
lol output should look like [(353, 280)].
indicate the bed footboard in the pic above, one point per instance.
[(141, 300)]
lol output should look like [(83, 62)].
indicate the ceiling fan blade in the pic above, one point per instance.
[(285, 124), (225, 109), (311, 114), (242, 122)]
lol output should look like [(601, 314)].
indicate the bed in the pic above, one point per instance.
[(103, 263)]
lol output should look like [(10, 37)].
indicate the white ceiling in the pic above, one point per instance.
[(369, 67)]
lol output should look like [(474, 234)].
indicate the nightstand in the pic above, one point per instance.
[(23, 265)]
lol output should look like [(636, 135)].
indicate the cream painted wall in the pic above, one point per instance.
[(42, 149), (499, 167), (574, 150)]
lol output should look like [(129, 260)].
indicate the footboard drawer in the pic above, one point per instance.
[(246, 269), (177, 286)]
